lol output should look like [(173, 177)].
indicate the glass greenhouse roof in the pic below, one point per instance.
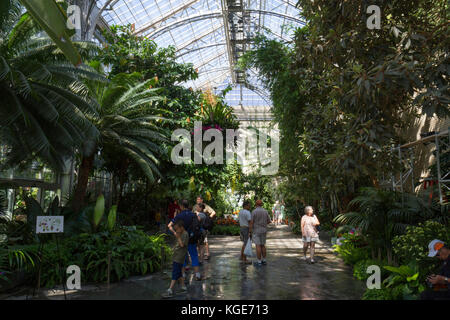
[(211, 34)]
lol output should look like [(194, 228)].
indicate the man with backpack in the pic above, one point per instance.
[(192, 225), (210, 213)]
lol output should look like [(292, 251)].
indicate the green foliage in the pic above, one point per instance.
[(413, 245), (343, 94), (383, 214), (44, 101), (377, 294), (350, 252), (16, 258), (404, 281), (360, 269), (226, 230), (131, 251)]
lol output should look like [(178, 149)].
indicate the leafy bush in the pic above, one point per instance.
[(226, 230), (350, 252), (413, 245), (132, 252), (404, 282), (377, 294), (360, 269)]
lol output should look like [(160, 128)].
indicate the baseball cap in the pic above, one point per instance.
[(434, 247)]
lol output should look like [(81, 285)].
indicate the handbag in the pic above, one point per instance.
[(248, 251)]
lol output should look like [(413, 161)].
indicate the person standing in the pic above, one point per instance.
[(276, 211), (173, 209), (245, 217), (179, 253), (258, 231), (282, 210), (211, 213), (310, 235), (187, 216)]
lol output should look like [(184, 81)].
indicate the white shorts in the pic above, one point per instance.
[(310, 239)]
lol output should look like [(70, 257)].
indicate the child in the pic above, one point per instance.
[(179, 254)]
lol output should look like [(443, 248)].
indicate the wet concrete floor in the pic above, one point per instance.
[(285, 276)]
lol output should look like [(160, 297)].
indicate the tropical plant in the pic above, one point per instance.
[(229, 230), (341, 108), (51, 17), (45, 103), (377, 294), (128, 251), (128, 118), (15, 259), (351, 252), (405, 282), (413, 245), (381, 215), (360, 269)]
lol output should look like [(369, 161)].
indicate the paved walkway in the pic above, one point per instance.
[(224, 277)]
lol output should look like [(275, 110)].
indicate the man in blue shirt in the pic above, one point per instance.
[(187, 216)]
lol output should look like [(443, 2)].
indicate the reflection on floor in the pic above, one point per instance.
[(225, 277)]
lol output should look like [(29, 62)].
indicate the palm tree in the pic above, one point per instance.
[(382, 215), (45, 104), (129, 120)]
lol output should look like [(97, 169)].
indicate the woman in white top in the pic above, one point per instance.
[(309, 232)]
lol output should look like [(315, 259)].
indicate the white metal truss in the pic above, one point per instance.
[(405, 154), (211, 34)]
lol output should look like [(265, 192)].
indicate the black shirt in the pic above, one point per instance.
[(445, 271)]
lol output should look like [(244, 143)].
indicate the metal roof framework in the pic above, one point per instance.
[(210, 34)]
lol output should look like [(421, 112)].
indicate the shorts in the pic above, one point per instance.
[(310, 239), (244, 234), (259, 239), (192, 249), (176, 270)]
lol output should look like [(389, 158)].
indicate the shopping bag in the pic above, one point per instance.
[(248, 251)]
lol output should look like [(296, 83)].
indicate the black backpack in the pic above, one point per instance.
[(195, 232), (208, 223)]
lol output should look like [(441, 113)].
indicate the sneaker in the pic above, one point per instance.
[(264, 262), (183, 289), (258, 263), (167, 294), (312, 260), (303, 258)]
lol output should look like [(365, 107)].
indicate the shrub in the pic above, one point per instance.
[(360, 269), (413, 245), (226, 230), (351, 250), (404, 281), (132, 253), (377, 294)]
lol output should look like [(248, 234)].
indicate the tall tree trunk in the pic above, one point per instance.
[(84, 171)]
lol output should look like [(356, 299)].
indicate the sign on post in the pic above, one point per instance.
[(50, 224)]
